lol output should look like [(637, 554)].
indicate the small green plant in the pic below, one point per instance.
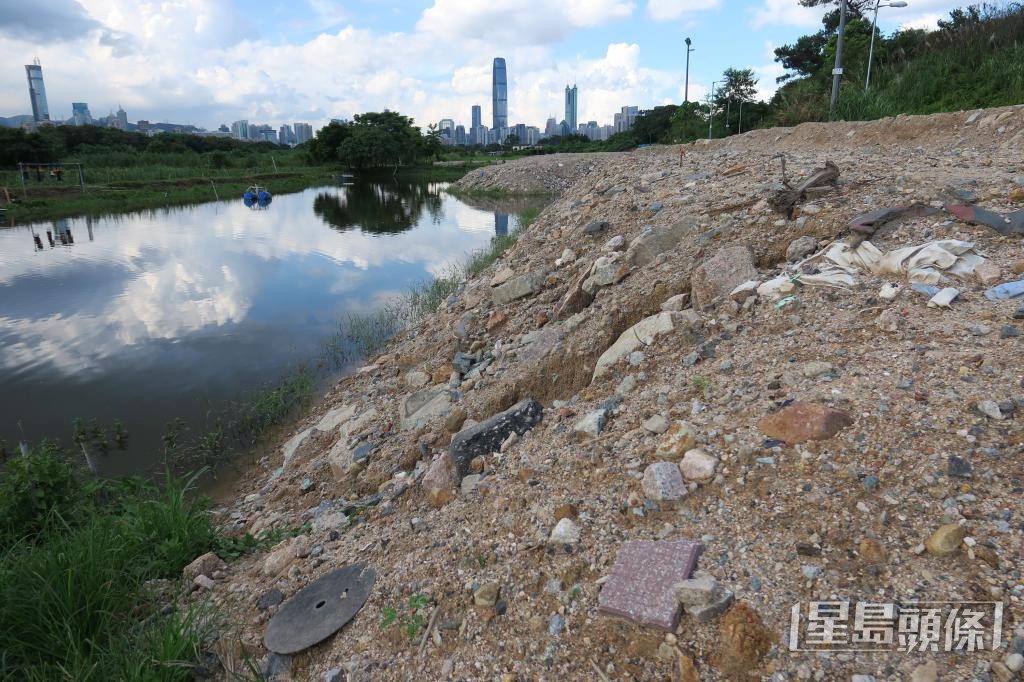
[(407, 616), (575, 593), (231, 547), (700, 383)]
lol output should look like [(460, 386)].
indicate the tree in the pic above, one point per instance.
[(511, 141)]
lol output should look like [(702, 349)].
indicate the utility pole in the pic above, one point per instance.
[(837, 71), (871, 51), (686, 88), (741, 119), (711, 107)]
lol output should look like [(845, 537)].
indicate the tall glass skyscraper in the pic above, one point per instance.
[(499, 94), (477, 118), (37, 93), (571, 108)]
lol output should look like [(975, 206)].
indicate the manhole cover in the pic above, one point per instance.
[(319, 609)]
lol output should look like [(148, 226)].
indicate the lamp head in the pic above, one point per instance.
[(897, 3), (688, 42)]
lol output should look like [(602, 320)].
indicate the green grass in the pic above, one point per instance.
[(74, 599)]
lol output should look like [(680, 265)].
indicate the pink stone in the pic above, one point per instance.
[(641, 587), (663, 482), (801, 422)]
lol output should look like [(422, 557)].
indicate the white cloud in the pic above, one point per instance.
[(928, 22), (527, 22), (786, 13), (666, 10)]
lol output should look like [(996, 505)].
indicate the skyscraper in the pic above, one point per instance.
[(477, 118), (570, 108), (303, 133), (499, 94), (80, 114), (37, 92)]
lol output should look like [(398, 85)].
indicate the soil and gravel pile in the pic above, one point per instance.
[(663, 356)]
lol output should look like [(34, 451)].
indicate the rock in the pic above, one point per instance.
[(1008, 331), (417, 379), (946, 540), (744, 291), (203, 582), (959, 467), (486, 594), (606, 271), (463, 362), (720, 274), (676, 303), (565, 511), (487, 436), (987, 273), (592, 423), (518, 287), (707, 613), (596, 227), (453, 422), (438, 483), (277, 668), (679, 438), (1015, 662), (655, 424), (800, 248), (568, 256), (990, 408), (575, 299), (424, 406), (743, 640), (495, 319), (206, 564), (469, 483), (698, 591), (272, 597), (642, 334), (654, 241), (334, 675), (697, 465), (556, 624), (926, 672), (815, 369), (663, 482), (800, 422), (284, 553), (502, 276), (616, 243), (565, 532)]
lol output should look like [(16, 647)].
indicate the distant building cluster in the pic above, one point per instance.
[(451, 133), (478, 134), (294, 134)]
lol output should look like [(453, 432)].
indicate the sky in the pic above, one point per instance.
[(209, 62)]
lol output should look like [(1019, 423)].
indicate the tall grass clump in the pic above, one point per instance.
[(74, 598)]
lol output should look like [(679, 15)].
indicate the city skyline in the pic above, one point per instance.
[(209, 61)]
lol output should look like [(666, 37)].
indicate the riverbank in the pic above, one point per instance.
[(803, 440), (51, 200)]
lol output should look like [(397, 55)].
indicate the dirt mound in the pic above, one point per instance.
[(908, 418)]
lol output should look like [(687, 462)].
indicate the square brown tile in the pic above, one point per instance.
[(640, 585)]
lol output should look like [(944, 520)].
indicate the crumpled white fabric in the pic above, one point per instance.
[(923, 264)]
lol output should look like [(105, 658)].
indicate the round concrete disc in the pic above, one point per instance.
[(319, 609)]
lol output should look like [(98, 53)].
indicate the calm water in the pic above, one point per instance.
[(172, 313)]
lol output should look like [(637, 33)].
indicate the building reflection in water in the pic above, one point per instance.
[(59, 235), (501, 224)]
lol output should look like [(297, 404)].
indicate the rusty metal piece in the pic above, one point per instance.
[(867, 223), (785, 200), (1011, 223)]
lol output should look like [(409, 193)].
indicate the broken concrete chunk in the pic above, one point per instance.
[(676, 303), (438, 483), (518, 287), (654, 241), (596, 227), (641, 587), (592, 423), (720, 274), (943, 298), (698, 591), (565, 532), (641, 334), (698, 465), (487, 436), (424, 406), (706, 613)]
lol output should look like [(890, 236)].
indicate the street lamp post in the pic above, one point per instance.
[(837, 70), (874, 20), (686, 88), (711, 107)]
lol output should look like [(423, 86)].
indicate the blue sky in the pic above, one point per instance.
[(215, 61)]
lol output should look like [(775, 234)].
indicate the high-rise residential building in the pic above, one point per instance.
[(571, 107), (122, 119), (478, 135), (551, 128), (37, 92), (624, 119), (303, 133), (145, 128), (499, 94), (460, 135), (476, 116), (240, 130), (285, 134), (80, 115)]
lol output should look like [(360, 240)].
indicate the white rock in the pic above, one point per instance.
[(642, 334), (656, 424), (698, 465), (592, 423), (565, 533)]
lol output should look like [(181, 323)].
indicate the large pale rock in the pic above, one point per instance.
[(438, 483), (284, 554), (518, 287), (206, 565), (642, 334), (575, 299), (946, 540), (654, 241), (565, 532), (592, 423), (720, 274), (487, 436), (424, 406), (605, 271), (698, 465), (800, 422)]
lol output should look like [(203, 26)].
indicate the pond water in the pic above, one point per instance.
[(152, 316)]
